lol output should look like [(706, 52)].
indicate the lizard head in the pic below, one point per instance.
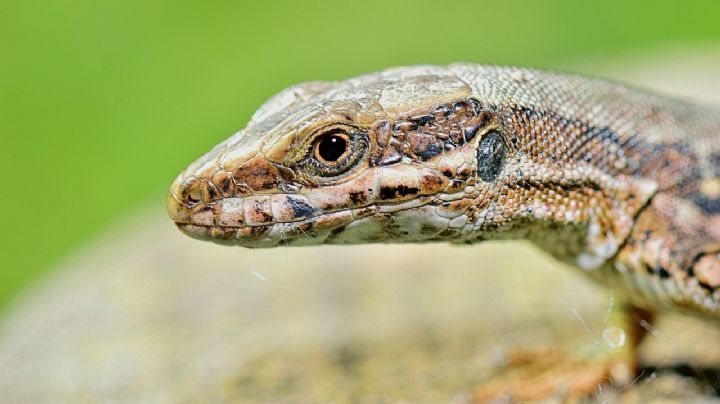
[(404, 155)]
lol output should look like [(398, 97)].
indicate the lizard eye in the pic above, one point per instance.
[(335, 150), (332, 147)]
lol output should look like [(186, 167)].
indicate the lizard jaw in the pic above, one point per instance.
[(272, 220), (312, 230)]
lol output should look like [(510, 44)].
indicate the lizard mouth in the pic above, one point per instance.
[(291, 219), (313, 230)]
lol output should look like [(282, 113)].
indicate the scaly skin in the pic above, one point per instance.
[(623, 184)]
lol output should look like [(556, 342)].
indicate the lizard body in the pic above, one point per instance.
[(623, 184)]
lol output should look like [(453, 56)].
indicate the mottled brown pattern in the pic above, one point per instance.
[(618, 182)]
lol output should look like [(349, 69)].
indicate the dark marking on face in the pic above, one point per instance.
[(257, 174), (400, 190), (224, 183), (484, 118), (258, 212), (359, 197), (425, 146), (432, 183), (211, 193), (429, 152), (423, 119), (474, 124), (300, 208), (491, 156), (470, 132), (447, 171), (455, 185)]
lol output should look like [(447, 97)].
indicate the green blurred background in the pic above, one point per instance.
[(103, 102)]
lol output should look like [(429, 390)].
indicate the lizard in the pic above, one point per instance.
[(619, 182)]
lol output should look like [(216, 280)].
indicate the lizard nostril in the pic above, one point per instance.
[(192, 191)]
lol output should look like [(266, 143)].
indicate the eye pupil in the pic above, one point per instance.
[(331, 147)]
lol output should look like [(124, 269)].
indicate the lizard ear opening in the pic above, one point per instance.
[(491, 156)]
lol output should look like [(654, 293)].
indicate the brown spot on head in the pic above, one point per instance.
[(424, 146), (258, 174), (455, 185), (447, 167), (359, 198), (431, 182), (224, 183), (397, 192), (258, 210), (210, 192), (398, 183)]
